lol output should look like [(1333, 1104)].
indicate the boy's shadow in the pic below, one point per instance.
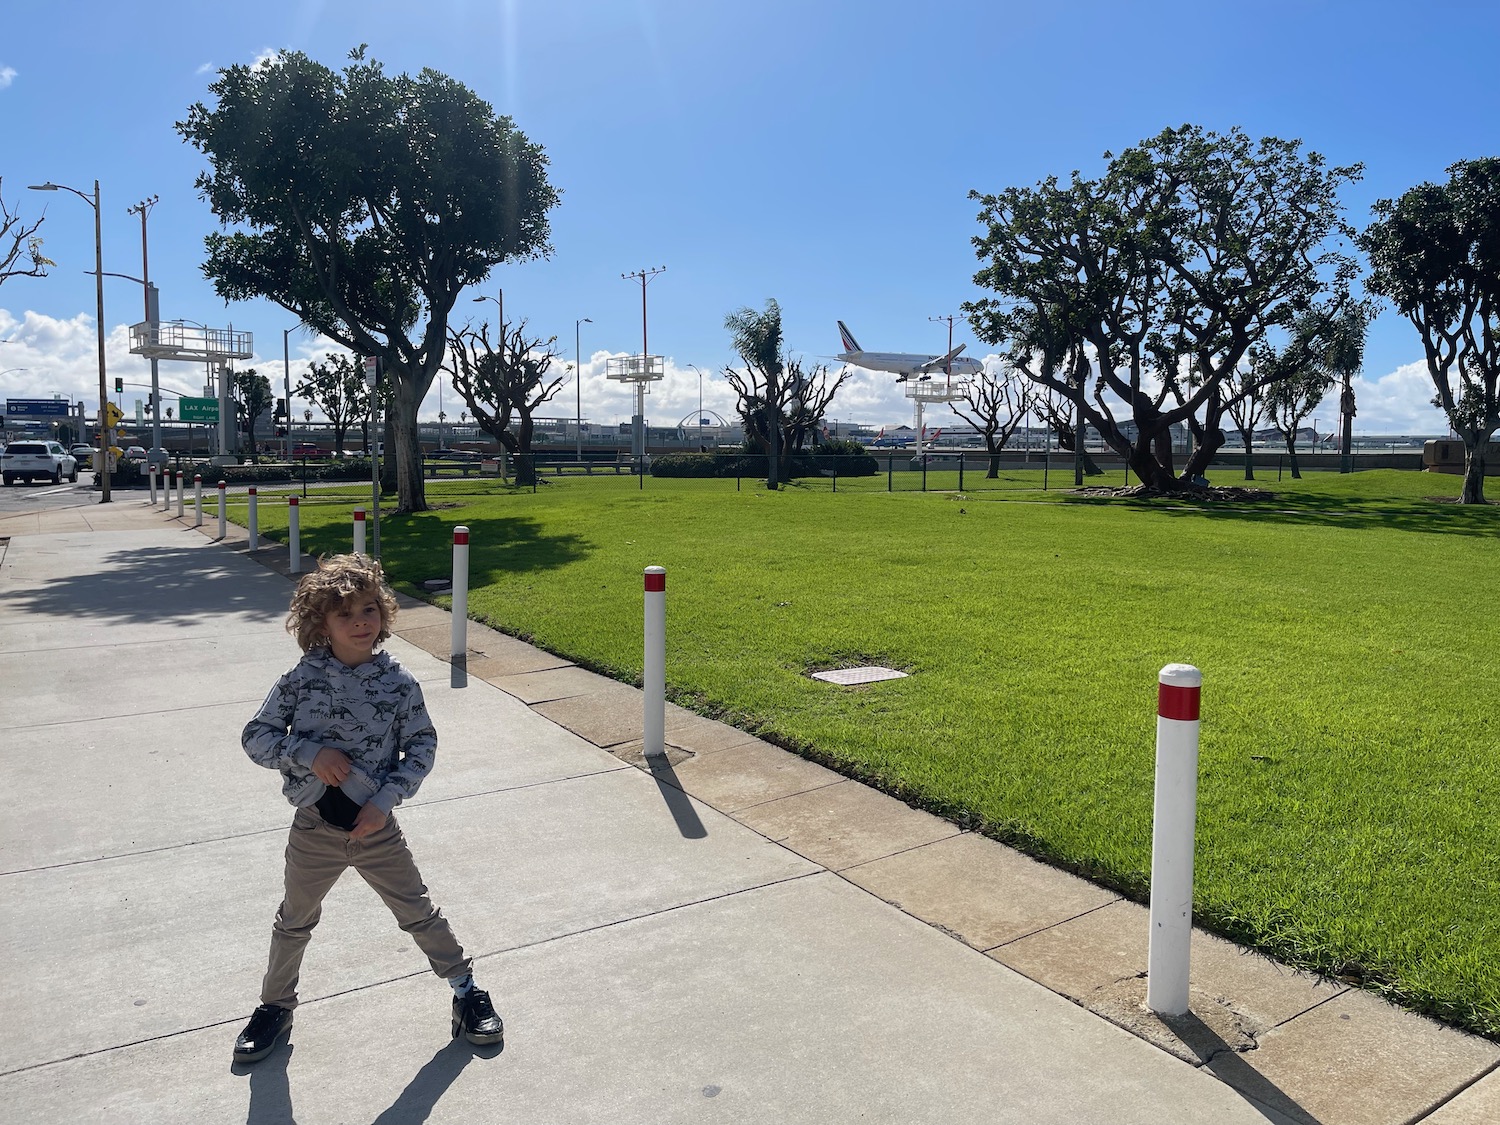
[(271, 1095)]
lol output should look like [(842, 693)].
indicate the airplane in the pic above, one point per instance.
[(903, 364)]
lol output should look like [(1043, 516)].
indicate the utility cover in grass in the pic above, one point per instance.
[(852, 676)]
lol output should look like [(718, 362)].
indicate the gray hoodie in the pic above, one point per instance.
[(373, 712)]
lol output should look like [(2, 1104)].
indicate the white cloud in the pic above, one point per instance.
[(206, 68), (267, 56), (7, 76)]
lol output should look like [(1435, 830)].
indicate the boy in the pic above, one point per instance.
[(348, 729)]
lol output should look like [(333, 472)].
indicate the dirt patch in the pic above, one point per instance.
[(1236, 494)]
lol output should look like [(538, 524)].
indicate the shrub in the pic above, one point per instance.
[(855, 464)]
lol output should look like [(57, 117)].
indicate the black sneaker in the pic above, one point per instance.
[(268, 1024), (474, 1015)]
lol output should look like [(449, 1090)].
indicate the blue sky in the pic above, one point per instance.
[(819, 152)]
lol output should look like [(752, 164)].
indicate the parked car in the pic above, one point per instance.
[(37, 460), (83, 454), (307, 451), (454, 455)]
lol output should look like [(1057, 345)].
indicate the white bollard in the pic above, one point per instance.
[(151, 480), (223, 524), (181, 484), (294, 534), (198, 497), (254, 522), (166, 488), (359, 531), (459, 647), (1172, 829), (654, 678)]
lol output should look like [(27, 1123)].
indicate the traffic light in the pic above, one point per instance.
[(119, 384), (281, 431), (280, 408)]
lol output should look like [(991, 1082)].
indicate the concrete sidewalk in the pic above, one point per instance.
[(736, 935)]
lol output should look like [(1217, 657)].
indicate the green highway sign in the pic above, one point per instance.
[(198, 409)]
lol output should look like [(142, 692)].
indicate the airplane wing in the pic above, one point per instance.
[(939, 362)]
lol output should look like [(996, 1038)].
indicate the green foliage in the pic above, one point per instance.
[(755, 465), (1154, 281), (364, 203), (336, 386), (1435, 254)]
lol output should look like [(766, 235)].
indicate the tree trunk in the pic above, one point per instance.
[(994, 470), (1291, 452), (525, 464), (1249, 456), (1476, 457), (1150, 472)]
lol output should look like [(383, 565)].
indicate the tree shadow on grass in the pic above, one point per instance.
[(166, 585), (419, 545), (1331, 511)]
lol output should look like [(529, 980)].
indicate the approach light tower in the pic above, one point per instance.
[(193, 343), (641, 370), (948, 387)]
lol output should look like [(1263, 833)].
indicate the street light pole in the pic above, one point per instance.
[(104, 497), (694, 366), (143, 208), (578, 388)]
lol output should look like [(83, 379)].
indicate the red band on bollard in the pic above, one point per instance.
[(252, 490), (460, 538), (1177, 702), (359, 516), (292, 500), (656, 583), (221, 486)]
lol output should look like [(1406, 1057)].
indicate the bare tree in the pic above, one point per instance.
[(504, 383), (781, 414), (1247, 407), (996, 404), (20, 248)]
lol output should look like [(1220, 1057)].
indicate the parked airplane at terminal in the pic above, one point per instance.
[(904, 365)]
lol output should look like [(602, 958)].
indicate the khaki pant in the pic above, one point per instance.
[(316, 855)]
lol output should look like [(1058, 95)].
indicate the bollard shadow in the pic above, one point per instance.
[(679, 804), (427, 1087), (458, 672), (157, 585), (1231, 1068)]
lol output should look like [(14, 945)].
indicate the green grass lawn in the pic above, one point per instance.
[(1346, 631)]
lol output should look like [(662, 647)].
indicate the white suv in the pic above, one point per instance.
[(37, 460)]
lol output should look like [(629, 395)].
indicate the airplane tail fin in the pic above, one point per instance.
[(850, 343)]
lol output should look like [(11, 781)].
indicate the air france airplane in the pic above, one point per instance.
[(904, 365)]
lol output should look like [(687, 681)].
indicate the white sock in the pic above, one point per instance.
[(462, 986)]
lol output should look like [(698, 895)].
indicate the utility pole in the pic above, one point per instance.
[(152, 318), (639, 428)]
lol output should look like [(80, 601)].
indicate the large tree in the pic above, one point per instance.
[(336, 386), (1149, 285), (20, 246), (252, 399), (1435, 254), (366, 204), (504, 384)]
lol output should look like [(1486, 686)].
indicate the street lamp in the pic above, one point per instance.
[(99, 295), (694, 366), (500, 304), (578, 387)]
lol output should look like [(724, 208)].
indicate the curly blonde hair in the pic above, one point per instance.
[(339, 579)]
